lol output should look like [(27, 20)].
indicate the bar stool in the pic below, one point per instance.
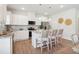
[(52, 38), (44, 41), (59, 36)]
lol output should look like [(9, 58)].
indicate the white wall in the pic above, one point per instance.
[(2, 16), (68, 30), (77, 20)]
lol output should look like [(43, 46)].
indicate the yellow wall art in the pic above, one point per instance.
[(60, 20), (68, 21)]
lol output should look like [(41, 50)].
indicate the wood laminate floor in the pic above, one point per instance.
[(25, 47)]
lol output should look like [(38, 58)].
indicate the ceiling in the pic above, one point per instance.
[(45, 9)]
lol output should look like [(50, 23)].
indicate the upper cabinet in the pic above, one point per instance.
[(8, 18), (19, 20)]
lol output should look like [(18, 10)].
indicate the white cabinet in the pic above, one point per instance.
[(21, 35), (19, 20), (5, 45), (8, 18)]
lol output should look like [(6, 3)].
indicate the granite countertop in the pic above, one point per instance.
[(8, 34)]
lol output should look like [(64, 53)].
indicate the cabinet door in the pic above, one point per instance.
[(19, 20), (15, 20), (21, 35), (8, 18), (4, 45)]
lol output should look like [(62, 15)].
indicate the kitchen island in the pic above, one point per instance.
[(6, 44)]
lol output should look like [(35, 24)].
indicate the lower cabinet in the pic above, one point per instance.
[(5, 45), (21, 35)]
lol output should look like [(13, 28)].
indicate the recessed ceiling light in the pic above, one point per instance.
[(61, 6), (22, 8)]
